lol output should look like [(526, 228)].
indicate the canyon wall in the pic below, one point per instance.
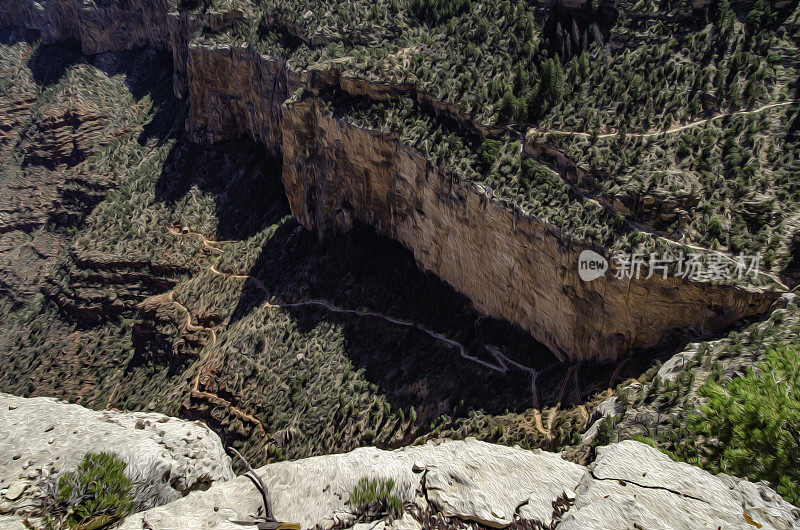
[(509, 263), (112, 26)]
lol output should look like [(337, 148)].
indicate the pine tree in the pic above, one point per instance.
[(754, 421)]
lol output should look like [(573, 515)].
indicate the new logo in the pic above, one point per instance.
[(591, 265)]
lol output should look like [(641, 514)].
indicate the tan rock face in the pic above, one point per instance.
[(510, 264), (235, 92)]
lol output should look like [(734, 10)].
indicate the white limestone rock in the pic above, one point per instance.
[(39, 436), (632, 484), (609, 407), (12, 522), (469, 479)]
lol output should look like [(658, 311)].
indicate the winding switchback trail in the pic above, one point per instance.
[(502, 362)]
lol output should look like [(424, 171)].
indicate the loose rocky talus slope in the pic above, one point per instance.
[(630, 485), (510, 263), (167, 457)]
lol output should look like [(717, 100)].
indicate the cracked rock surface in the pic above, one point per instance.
[(633, 484), (470, 479), (41, 436), (630, 485)]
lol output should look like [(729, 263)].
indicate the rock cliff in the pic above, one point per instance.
[(510, 263), (507, 261), (167, 458), (630, 485), (450, 484)]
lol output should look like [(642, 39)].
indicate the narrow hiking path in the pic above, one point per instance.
[(671, 130), (189, 325), (543, 419), (502, 363)]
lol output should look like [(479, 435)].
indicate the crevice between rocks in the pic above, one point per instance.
[(627, 481)]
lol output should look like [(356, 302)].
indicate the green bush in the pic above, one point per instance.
[(487, 153), (752, 423), (93, 496), (373, 497)]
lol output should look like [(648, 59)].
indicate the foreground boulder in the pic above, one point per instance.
[(630, 485), (167, 457)]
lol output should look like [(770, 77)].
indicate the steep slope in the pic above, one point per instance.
[(166, 273), (176, 281), (234, 89)]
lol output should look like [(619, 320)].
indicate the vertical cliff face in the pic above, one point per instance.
[(511, 264), (234, 92), (508, 262)]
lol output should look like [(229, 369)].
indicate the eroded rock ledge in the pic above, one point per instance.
[(166, 457), (630, 485), (511, 264), (445, 484)]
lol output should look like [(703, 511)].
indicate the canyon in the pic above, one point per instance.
[(508, 262)]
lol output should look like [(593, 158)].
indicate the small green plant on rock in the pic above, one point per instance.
[(93, 496), (372, 498)]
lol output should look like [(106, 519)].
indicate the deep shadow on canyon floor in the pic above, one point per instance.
[(185, 286)]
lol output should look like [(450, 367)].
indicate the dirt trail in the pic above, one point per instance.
[(501, 365), (189, 325), (671, 130), (503, 362)]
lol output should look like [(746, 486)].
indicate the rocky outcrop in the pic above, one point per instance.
[(93, 286), (511, 264), (39, 437), (630, 483), (63, 137), (672, 391), (185, 478)]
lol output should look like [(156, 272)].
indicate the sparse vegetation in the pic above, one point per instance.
[(372, 498), (78, 331), (93, 496), (224, 342), (749, 425)]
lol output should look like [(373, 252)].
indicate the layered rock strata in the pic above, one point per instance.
[(510, 263)]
